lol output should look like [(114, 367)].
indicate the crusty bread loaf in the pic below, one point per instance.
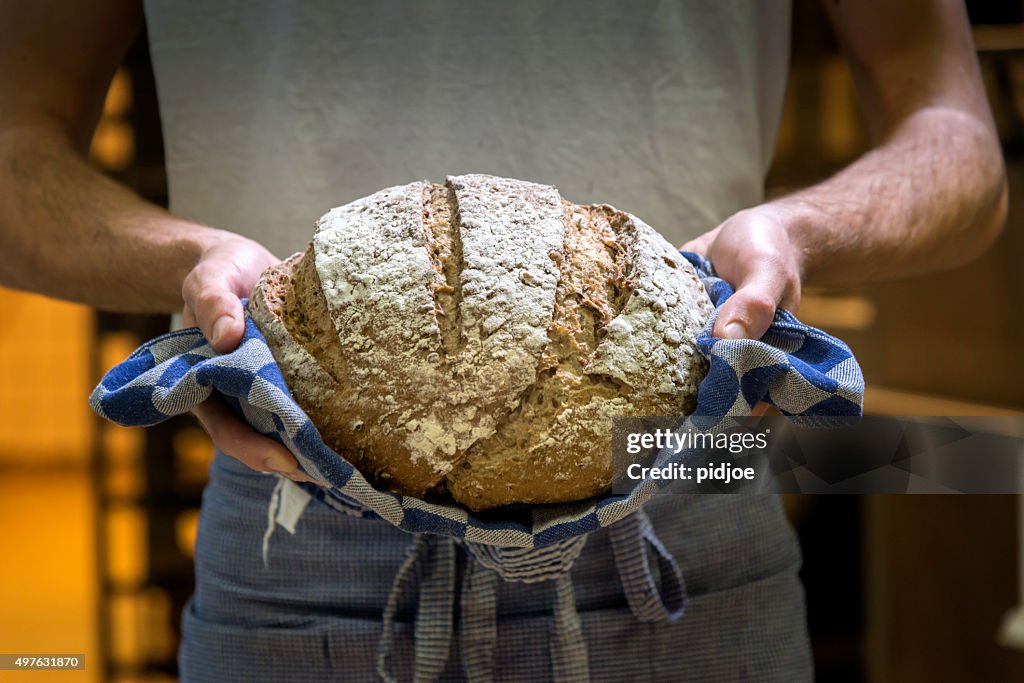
[(477, 337)]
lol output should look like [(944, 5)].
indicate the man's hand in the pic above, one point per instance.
[(754, 252), (226, 271)]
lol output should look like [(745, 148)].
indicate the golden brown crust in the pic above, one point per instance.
[(289, 307), (550, 448), (515, 413), (557, 445)]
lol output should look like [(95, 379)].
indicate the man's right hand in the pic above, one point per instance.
[(226, 271)]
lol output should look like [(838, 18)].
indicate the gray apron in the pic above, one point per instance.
[(313, 612)]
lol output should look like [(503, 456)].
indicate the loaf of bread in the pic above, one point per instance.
[(474, 339)]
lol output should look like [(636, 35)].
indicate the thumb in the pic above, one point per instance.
[(702, 244), (749, 312), (213, 304)]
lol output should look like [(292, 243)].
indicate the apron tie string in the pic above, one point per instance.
[(630, 538), (430, 567)]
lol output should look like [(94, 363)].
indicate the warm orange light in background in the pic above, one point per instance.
[(113, 144), (44, 356), (48, 579)]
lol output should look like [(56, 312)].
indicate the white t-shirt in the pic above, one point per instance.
[(273, 112)]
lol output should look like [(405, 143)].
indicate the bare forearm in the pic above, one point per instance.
[(931, 196), (68, 231)]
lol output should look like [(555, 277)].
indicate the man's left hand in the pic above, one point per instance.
[(753, 251)]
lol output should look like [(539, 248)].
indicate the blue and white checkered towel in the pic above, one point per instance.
[(801, 370)]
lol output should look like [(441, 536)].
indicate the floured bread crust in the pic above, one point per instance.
[(478, 336)]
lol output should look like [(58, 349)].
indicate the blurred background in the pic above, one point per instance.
[(98, 521)]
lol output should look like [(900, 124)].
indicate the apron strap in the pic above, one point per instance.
[(478, 622), (568, 649), (631, 538), (430, 567), (431, 564)]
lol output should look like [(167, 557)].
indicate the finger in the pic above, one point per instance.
[(216, 308), (234, 437), (749, 312), (702, 244)]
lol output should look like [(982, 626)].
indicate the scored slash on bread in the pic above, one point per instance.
[(478, 336)]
